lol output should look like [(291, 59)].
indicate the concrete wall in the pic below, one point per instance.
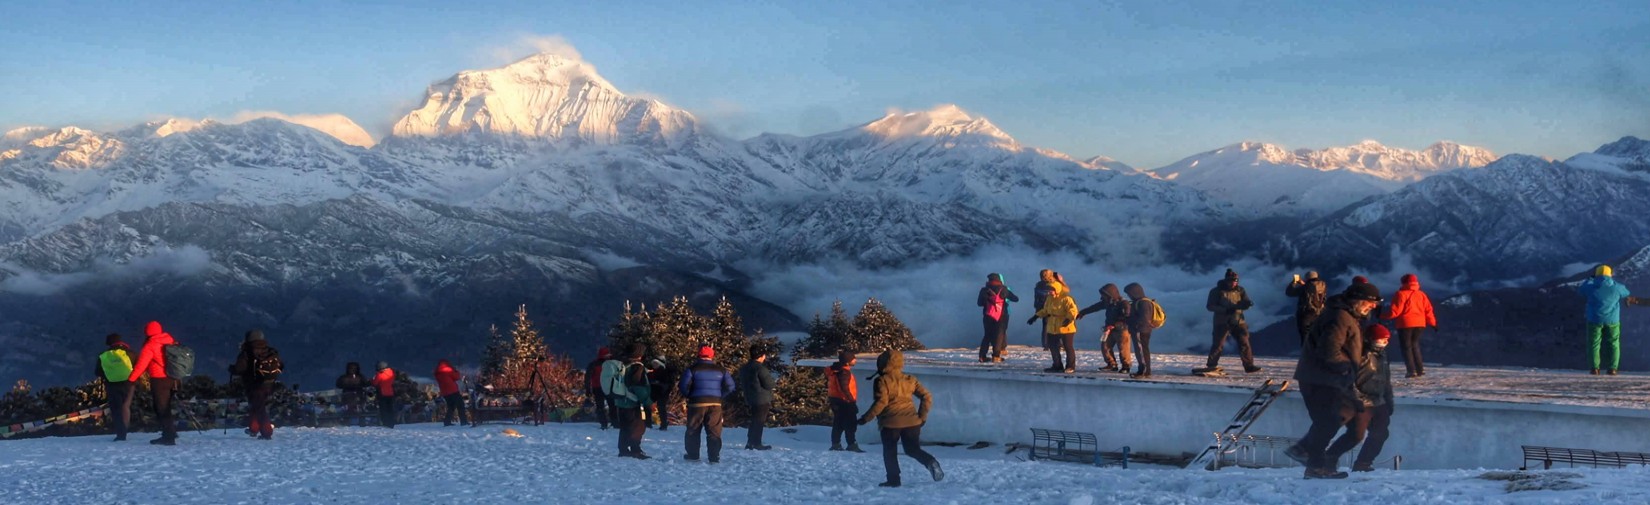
[(1172, 418)]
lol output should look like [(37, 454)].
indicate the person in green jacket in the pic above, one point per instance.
[(632, 402), (899, 417), (1604, 298)]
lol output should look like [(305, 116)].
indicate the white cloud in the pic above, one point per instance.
[(530, 44), (336, 125), (186, 261)]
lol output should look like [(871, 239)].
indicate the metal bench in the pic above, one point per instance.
[(1549, 455), (1060, 445)]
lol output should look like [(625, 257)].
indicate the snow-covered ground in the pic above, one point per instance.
[(575, 463)]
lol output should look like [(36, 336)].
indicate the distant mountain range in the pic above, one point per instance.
[(541, 183)]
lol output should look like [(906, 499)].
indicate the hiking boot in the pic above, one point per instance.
[(1296, 453), (714, 461), (889, 484), (1125, 369), (933, 467), (164, 441), (1054, 369), (1324, 473), (855, 448), (640, 455), (120, 438), (996, 360), (250, 433), (624, 453), (266, 437), (836, 447), (1363, 467), (760, 447), (1207, 369), (1612, 371), (690, 457), (1413, 375), (1070, 370), (1140, 375), (1594, 372), (1252, 369)]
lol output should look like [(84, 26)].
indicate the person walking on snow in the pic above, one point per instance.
[(632, 396), (1059, 315), (114, 366), (600, 403), (704, 385), (1374, 384), (384, 384), (757, 383), (1327, 374), (844, 393), (1309, 294), (1604, 299), (1411, 311), (446, 381), (258, 366), (152, 362), (1228, 300), (1114, 339), (899, 418), (1140, 312), (994, 299)]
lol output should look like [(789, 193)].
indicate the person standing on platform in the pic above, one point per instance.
[(1604, 299), (1411, 311), (1059, 315), (994, 299), (1114, 338), (1310, 294), (1228, 300)]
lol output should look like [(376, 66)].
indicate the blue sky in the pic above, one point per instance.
[(1144, 82)]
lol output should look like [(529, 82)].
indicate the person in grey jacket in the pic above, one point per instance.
[(757, 382)]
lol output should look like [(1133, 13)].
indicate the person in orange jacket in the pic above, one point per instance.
[(1411, 311), (152, 361), (385, 384), (446, 378), (844, 392)]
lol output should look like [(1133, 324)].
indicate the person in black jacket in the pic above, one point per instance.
[(1327, 374), (993, 300), (1114, 338), (257, 366), (1375, 384), (1227, 301), (1310, 295), (352, 387), (661, 374), (757, 383)]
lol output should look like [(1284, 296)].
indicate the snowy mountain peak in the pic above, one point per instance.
[(163, 128), (948, 122), (1627, 147), (68, 148), (544, 96)]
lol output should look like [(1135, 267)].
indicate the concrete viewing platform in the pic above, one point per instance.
[(1454, 417)]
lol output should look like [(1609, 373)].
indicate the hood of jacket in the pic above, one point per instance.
[(352, 368), (1046, 276), (1109, 293), (891, 362), (153, 329), (1135, 291), (1411, 282), (1226, 284)]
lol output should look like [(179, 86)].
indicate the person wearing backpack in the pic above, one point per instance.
[(1310, 295), (152, 362), (1114, 338), (446, 381), (844, 393), (899, 418), (114, 366), (757, 383), (384, 384), (258, 366), (601, 404), (994, 299), (1059, 315), (632, 397), (1145, 316), (704, 385)]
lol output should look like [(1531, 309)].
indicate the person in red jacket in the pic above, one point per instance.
[(593, 387), (385, 384), (446, 378), (152, 361), (1411, 311)]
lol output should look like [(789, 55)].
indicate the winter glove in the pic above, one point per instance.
[(864, 420), (1033, 320)]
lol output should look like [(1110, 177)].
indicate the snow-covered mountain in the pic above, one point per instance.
[(1270, 180), (1630, 155)]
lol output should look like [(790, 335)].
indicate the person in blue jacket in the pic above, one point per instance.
[(1604, 298), (704, 385)]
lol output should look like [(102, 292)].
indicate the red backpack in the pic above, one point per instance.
[(995, 305)]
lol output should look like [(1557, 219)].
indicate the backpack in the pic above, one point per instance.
[(613, 379), (180, 360), (1315, 296), (116, 365), (268, 366), (995, 305), (1151, 314)]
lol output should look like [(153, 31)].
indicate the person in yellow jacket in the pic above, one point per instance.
[(114, 366), (1059, 315)]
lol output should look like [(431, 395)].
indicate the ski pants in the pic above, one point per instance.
[(1143, 339), (996, 337), (1409, 341), (160, 391), (1068, 342), (120, 406), (1605, 336), (844, 421), (1116, 342), (606, 412), (1303, 324), (1380, 424), (1329, 412), (257, 409), (759, 420), (386, 411), (706, 418), (1240, 332), (455, 407), (911, 439), (632, 424)]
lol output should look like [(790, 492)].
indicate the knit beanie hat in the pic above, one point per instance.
[(1603, 270), (1231, 275), (1379, 335), (845, 356), (637, 351), (706, 352), (111, 339), (254, 335)]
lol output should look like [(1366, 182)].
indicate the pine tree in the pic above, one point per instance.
[(876, 329), (496, 360), (826, 337), (526, 349)]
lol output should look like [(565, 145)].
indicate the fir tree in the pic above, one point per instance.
[(876, 329), (497, 357), (526, 349), (826, 337)]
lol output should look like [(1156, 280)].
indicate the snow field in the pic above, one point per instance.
[(575, 463)]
